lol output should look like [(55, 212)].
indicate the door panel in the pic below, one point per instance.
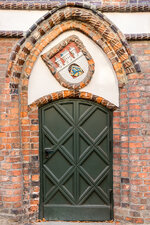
[(76, 161)]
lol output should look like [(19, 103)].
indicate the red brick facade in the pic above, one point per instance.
[(132, 143), (19, 134)]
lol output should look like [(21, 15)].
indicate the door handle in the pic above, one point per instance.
[(48, 151)]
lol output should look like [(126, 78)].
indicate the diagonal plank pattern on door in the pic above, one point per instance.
[(76, 161)]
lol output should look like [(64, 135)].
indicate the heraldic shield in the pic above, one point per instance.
[(70, 63)]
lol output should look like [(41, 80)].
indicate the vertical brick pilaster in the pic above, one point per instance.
[(10, 154), (133, 143)]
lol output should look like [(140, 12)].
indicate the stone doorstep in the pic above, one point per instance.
[(73, 223)]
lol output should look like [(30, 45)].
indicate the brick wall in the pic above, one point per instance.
[(9, 137), (132, 143), (20, 169)]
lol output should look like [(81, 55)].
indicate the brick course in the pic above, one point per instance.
[(20, 142), (103, 6)]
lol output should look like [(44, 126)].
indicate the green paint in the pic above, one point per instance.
[(76, 161)]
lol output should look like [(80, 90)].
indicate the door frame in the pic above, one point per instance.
[(41, 196)]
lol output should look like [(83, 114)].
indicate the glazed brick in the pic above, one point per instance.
[(107, 33), (113, 6)]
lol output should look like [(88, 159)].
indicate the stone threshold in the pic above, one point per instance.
[(74, 223)]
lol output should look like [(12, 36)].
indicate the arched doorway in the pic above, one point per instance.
[(24, 58), (76, 161)]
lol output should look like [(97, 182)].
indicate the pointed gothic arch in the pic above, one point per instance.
[(71, 17)]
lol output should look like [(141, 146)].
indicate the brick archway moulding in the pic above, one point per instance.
[(70, 17)]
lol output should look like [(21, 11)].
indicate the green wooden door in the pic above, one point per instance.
[(76, 161)]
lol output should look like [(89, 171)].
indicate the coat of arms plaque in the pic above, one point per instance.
[(70, 63)]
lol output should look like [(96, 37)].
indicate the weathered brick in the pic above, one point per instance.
[(131, 130)]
